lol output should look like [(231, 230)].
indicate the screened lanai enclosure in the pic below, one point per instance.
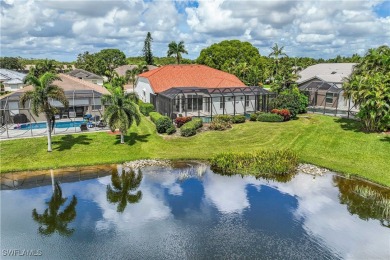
[(327, 98), (85, 109), (209, 102)]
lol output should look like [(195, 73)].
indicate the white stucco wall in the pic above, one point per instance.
[(12, 87), (143, 89)]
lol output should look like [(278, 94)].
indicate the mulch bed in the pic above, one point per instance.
[(114, 133)]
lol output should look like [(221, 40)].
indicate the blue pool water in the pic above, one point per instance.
[(43, 125), (188, 212)]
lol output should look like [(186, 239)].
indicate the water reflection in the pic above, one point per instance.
[(364, 200), (52, 219), (121, 187), (189, 212), (269, 177)]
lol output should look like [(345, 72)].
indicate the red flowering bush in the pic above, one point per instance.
[(179, 121), (285, 113)]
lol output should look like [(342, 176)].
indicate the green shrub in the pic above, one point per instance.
[(223, 118), (269, 117), (219, 125), (171, 130), (154, 116), (303, 103), (288, 100), (253, 116), (189, 128), (163, 124), (238, 119), (146, 108), (264, 162)]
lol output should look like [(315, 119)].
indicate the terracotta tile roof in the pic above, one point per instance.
[(201, 76)]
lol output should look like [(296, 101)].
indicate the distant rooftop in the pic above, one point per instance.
[(11, 76), (122, 69), (330, 72), (83, 74)]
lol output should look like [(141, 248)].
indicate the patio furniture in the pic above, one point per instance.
[(83, 127)]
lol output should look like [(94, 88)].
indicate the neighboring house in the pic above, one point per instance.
[(84, 98), (198, 90), (121, 71), (87, 76), (323, 83), (11, 80)]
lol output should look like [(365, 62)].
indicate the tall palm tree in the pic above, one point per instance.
[(52, 219), (121, 111), (276, 53), (176, 49), (122, 187), (44, 89)]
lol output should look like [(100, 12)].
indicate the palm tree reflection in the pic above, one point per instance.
[(52, 220), (121, 187)]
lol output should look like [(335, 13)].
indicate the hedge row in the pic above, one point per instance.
[(146, 108), (154, 116), (269, 117), (189, 128)]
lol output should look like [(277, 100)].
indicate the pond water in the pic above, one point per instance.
[(189, 212)]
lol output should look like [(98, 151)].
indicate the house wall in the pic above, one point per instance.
[(144, 89), (12, 87)]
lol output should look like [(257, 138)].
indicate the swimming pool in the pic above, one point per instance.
[(42, 125)]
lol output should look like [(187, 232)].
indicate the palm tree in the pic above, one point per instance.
[(176, 50), (122, 186), (44, 89), (276, 53), (52, 220), (121, 111)]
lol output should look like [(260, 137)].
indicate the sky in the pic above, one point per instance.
[(61, 30)]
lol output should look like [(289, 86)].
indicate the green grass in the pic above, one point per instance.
[(329, 142)]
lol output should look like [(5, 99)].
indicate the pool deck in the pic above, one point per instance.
[(10, 132)]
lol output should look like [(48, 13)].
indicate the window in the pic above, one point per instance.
[(96, 107), (144, 93), (247, 101), (221, 103), (208, 104), (194, 102), (329, 98)]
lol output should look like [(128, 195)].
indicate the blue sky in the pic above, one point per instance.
[(62, 29)]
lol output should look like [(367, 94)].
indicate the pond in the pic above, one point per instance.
[(190, 212)]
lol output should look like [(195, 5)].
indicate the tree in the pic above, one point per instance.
[(176, 49), (11, 63), (121, 111), (120, 190), (222, 55), (86, 61), (44, 90), (131, 75), (369, 87), (147, 50), (276, 53), (107, 60), (42, 67), (51, 220)]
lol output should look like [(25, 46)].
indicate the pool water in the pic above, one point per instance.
[(42, 125), (189, 212)]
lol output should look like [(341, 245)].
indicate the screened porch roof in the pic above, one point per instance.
[(324, 86), (215, 92)]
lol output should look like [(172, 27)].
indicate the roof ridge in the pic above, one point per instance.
[(83, 82)]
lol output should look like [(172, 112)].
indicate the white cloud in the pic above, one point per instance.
[(33, 28)]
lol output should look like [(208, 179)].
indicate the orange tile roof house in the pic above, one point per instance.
[(196, 90)]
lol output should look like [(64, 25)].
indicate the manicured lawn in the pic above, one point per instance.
[(330, 142)]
